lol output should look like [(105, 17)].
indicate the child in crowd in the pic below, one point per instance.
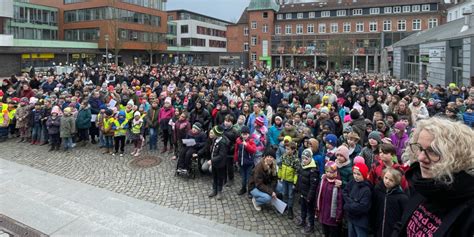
[(287, 174), (307, 183), (67, 128), (36, 115), (244, 150), (120, 127), (344, 165), (353, 145), (53, 124), (107, 130), (399, 139), (331, 147), (357, 201), (136, 134), (329, 202)]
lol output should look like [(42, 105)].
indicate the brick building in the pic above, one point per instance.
[(339, 34)]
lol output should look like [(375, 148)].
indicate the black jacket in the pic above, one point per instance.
[(369, 111), (446, 209), (202, 116), (232, 136), (308, 181), (357, 200), (219, 149), (387, 208), (359, 126)]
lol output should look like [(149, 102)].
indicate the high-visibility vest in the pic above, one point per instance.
[(136, 128), (120, 131), (11, 114), (108, 123), (4, 116), (129, 115)]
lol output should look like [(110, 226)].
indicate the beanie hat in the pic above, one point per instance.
[(347, 129), (269, 152), (137, 113), (362, 169), (376, 136), (168, 100), (130, 102), (245, 129), (400, 126), (307, 153), (279, 118), (108, 112), (331, 139), (307, 107), (324, 110), (287, 138), (330, 166), (197, 126), (344, 151), (260, 121), (359, 159), (56, 110), (67, 110), (121, 113), (24, 100), (218, 130), (355, 114)]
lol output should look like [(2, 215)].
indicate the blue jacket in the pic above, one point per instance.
[(468, 119), (251, 121), (273, 134), (320, 162), (357, 202), (275, 98)]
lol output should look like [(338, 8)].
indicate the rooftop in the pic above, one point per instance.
[(256, 5), (199, 14)]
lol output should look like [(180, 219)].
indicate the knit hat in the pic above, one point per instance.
[(121, 113), (218, 130), (347, 129), (330, 166), (362, 169), (331, 139), (307, 153), (279, 118), (355, 114), (307, 107), (359, 159), (137, 113), (108, 112), (130, 102), (324, 110), (168, 100), (376, 136), (24, 100), (56, 110), (197, 126), (269, 152), (287, 138), (400, 126), (329, 88), (260, 121), (67, 110), (245, 129), (344, 151)]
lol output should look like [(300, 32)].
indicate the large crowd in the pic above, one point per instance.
[(360, 153)]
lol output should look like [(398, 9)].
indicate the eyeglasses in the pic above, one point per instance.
[(432, 155)]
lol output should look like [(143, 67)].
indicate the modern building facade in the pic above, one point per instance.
[(339, 34), (458, 9)]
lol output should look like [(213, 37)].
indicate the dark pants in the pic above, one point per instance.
[(93, 131), (83, 134), (331, 231), (166, 137), (245, 172), (229, 166), (218, 176), (3, 133), (55, 140), (185, 156), (119, 141), (307, 210)]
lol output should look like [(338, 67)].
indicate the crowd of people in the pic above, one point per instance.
[(360, 153)]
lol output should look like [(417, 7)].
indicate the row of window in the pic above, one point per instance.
[(108, 13), (202, 42), (209, 31), (140, 36), (359, 27), (156, 4), (34, 34), (92, 34), (217, 44), (190, 16), (357, 12), (35, 16)]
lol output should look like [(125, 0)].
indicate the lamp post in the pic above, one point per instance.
[(106, 38)]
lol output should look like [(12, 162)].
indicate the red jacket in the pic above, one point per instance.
[(249, 149), (376, 173)]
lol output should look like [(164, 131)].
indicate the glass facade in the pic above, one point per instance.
[(208, 31), (140, 36), (193, 42), (32, 22), (73, 1), (109, 13), (32, 33), (191, 16), (25, 14), (155, 4), (92, 34), (217, 44)]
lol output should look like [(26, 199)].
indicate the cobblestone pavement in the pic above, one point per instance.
[(156, 184)]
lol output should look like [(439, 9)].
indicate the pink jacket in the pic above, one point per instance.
[(166, 114)]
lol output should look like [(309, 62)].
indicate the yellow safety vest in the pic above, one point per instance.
[(136, 128), (129, 115), (120, 131), (2, 118), (11, 114)]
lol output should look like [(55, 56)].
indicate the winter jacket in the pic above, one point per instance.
[(275, 98), (448, 210), (387, 207), (292, 133), (308, 181), (244, 155), (200, 138), (95, 104), (359, 126), (468, 119), (289, 167), (152, 118), (369, 111), (345, 172), (219, 150), (232, 136), (329, 203), (273, 134), (252, 118), (202, 116), (263, 180), (376, 173), (22, 116), (164, 117), (53, 125), (368, 155), (357, 202), (68, 126), (181, 129), (83, 120)]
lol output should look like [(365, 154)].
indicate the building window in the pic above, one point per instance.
[(322, 28), (246, 47), (374, 11), (360, 27), (288, 16), (415, 8), (334, 28), (432, 23), (387, 25), (299, 15), (217, 44), (184, 29), (417, 24), (325, 14), (299, 29), (373, 26), (288, 30), (425, 7), (406, 8), (347, 27), (387, 10), (254, 25), (265, 28), (253, 40), (246, 30), (265, 14), (80, 35), (397, 9), (310, 28), (280, 17), (341, 13), (277, 29), (402, 25), (357, 12), (312, 15), (254, 57)]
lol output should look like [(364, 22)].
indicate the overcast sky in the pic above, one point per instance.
[(229, 10)]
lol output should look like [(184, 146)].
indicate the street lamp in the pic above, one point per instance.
[(106, 38)]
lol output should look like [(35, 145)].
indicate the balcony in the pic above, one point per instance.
[(6, 40)]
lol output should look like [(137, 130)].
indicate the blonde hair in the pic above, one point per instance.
[(397, 174), (452, 141)]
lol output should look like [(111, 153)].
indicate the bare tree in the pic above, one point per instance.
[(338, 49), (153, 46), (114, 29)]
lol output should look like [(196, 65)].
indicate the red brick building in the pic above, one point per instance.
[(339, 34)]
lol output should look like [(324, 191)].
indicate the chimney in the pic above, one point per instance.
[(467, 20)]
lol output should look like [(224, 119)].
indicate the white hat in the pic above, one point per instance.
[(137, 113), (168, 100)]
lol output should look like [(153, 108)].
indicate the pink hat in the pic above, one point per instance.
[(347, 118), (260, 121), (56, 110), (400, 126), (359, 159), (344, 151), (168, 100)]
